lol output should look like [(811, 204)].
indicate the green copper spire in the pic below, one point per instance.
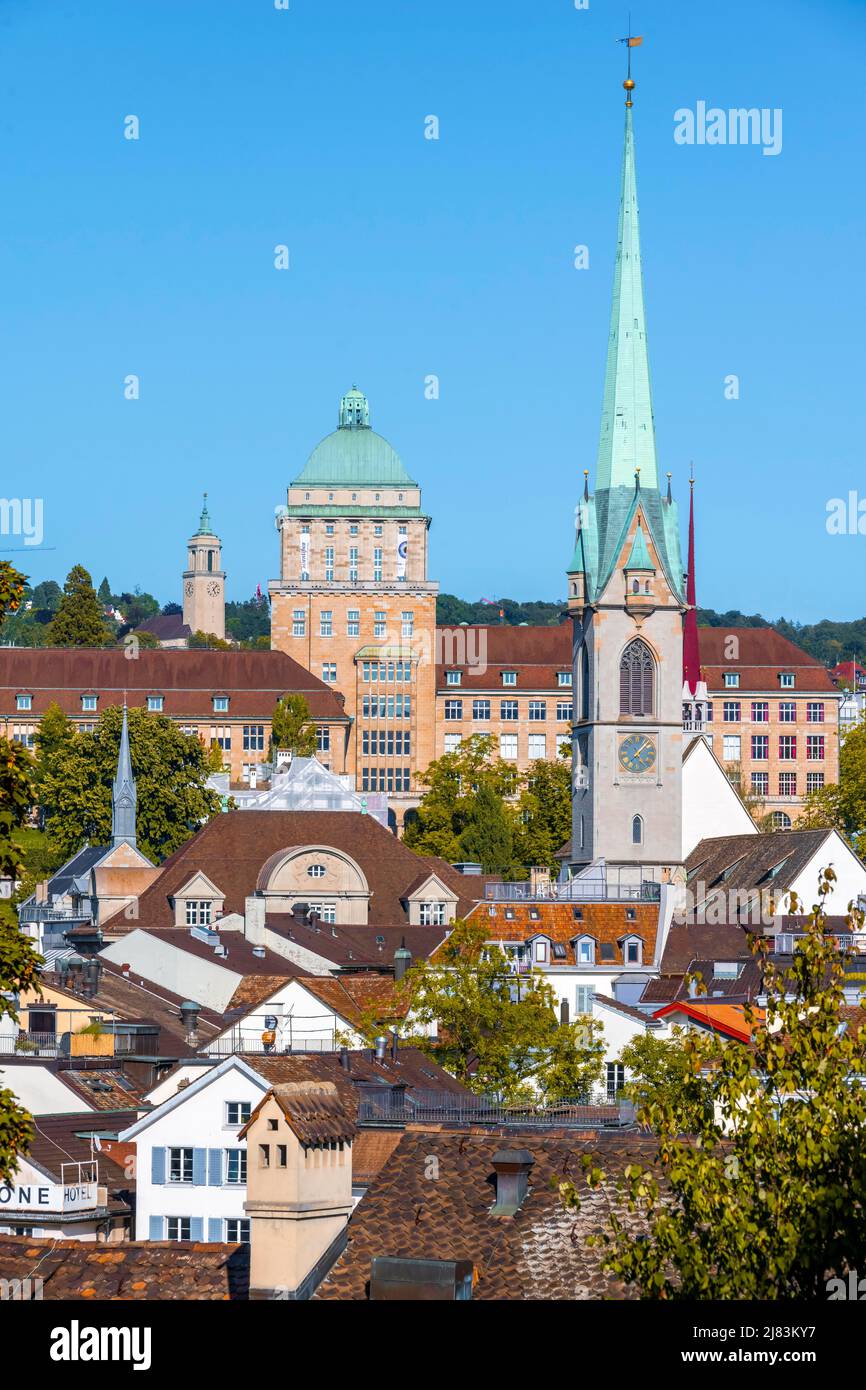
[(627, 437), (204, 525)]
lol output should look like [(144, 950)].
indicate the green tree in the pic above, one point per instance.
[(544, 813), (18, 961), (487, 836), (249, 621), (452, 782), (292, 729), (47, 596), (842, 804), (766, 1199), (170, 769), (661, 1072), (55, 734), (78, 621), (104, 594), (209, 641), (496, 1032)]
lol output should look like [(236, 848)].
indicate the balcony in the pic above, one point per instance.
[(575, 891)]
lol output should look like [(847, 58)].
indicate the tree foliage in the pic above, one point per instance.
[(78, 621), (452, 783), (544, 813), (766, 1198), (292, 729), (170, 769), (661, 1071)]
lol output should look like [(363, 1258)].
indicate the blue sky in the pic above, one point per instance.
[(412, 257)]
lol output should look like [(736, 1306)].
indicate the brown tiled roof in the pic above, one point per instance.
[(254, 989), (762, 654), (747, 861), (351, 995), (102, 1087), (137, 1000), (76, 1269), (59, 1139), (605, 922), (233, 848), (539, 1253), (627, 1010), (537, 654), (240, 958), (166, 627), (371, 1151), (685, 943), (315, 1111), (412, 1069), (188, 680), (371, 946)]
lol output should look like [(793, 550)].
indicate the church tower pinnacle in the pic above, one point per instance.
[(626, 599), (204, 597), (124, 795)]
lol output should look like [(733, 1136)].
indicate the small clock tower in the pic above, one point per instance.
[(204, 580), (627, 600)]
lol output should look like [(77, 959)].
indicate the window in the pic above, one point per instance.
[(815, 712), (23, 701), (179, 1228), (329, 529), (353, 564), (732, 680), (408, 623), (453, 709), (508, 709), (814, 781), (585, 951), (88, 702), (326, 623), (760, 711), (760, 747), (329, 671), (564, 711), (760, 783), (221, 704), (452, 742), (563, 678), (787, 747), (481, 710), (323, 739), (537, 746), (583, 997), (316, 870), (238, 1230), (509, 677), (787, 784), (237, 1112), (155, 703), (786, 681), (781, 821), (432, 914), (282, 1155), (236, 1165), (328, 913), (453, 677), (180, 1168), (379, 624), (615, 1079), (299, 622), (329, 562), (731, 748), (636, 830), (731, 712), (537, 710), (815, 748), (264, 1155), (254, 738), (353, 622), (508, 746), (787, 712), (636, 679), (633, 953), (198, 912), (353, 529), (540, 952), (377, 560), (377, 530)]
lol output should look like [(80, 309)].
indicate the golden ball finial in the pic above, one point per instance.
[(629, 84)]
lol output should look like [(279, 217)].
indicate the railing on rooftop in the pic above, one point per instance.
[(574, 891), (387, 1106), (38, 912)]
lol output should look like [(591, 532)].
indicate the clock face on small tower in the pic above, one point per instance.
[(190, 588), (637, 753), (213, 588)]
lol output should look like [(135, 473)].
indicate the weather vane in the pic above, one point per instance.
[(632, 41)]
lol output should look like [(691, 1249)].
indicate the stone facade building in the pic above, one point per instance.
[(204, 581)]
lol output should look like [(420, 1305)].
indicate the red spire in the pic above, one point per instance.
[(691, 649)]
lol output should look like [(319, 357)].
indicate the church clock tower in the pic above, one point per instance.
[(204, 581), (626, 599)]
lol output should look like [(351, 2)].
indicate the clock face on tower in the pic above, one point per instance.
[(213, 589), (637, 753), (190, 588)]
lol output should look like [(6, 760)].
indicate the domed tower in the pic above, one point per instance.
[(204, 580), (353, 602)]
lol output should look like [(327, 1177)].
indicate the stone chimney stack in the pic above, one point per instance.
[(254, 920), (299, 1186)]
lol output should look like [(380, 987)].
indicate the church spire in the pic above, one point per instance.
[(123, 794), (691, 646), (627, 439), (204, 523)]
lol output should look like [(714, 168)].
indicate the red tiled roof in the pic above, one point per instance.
[(188, 680), (604, 922), (133, 1270), (537, 654), (761, 655)]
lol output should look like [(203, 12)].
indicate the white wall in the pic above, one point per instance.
[(303, 1021), (711, 806), (41, 1091), (619, 1029), (178, 1079), (208, 982), (850, 877)]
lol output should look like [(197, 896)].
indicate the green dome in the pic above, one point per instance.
[(354, 455)]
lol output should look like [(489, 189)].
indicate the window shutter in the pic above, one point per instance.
[(156, 1224), (157, 1167), (199, 1167), (196, 1227), (215, 1167), (214, 1228)]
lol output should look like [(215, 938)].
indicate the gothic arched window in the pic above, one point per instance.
[(637, 831), (636, 679), (584, 682)]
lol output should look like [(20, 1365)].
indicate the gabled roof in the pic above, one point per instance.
[(605, 922), (315, 1112), (727, 1019), (762, 655), (745, 862)]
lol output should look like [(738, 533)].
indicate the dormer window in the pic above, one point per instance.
[(786, 680), (221, 704), (88, 702), (632, 950), (23, 701), (563, 678), (539, 952), (453, 677), (509, 677), (432, 914), (732, 680), (584, 950), (155, 703)]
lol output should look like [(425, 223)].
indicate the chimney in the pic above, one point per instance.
[(381, 1048), (299, 1186), (563, 1013), (420, 1281), (299, 911), (254, 919), (189, 1013), (402, 960), (512, 1168), (395, 1044), (345, 1059)]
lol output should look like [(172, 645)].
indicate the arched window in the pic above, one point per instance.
[(781, 820), (636, 679), (637, 830), (584, 682)]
